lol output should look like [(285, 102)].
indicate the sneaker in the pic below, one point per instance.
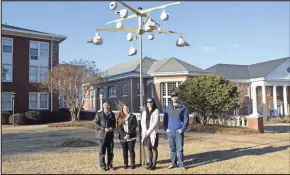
[(103, 168), (171, 166), (183, 168), (133, 166), (125, 166)]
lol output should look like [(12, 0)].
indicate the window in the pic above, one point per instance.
[(38, 50), (43, 71), (152, 90), (166, 90), (33, 74), (6, 73), (112, 91), (38, 100), (124, 90), (7, 45), (6, 101), (248, 110), (247, 91), (138, 92)]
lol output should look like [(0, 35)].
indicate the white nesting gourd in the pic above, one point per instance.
[(151, 37), (180, 42), (98, 39), (130, 37), (119, 25), (123, 13), (164, 16), (113, 5), (132, 51)]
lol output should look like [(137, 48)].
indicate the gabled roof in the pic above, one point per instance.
[(9, 29), (151, 66), (130, 66), (173, 65), (231, 71)]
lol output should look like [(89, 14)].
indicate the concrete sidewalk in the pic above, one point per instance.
[(234, 138)]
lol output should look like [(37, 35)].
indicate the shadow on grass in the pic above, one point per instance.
[(191, 161)]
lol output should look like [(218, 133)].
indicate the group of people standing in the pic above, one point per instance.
[(175, 123)]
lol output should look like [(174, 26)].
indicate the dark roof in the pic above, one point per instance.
[(29, 30), (231, 71), (150, 65)]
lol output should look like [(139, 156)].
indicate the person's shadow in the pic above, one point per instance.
[(191, 161)]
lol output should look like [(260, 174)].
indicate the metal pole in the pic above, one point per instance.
[(141, 88), (13, 109)]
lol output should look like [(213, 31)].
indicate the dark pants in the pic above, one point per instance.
[(128, 146), (175, 141), (106, 144)]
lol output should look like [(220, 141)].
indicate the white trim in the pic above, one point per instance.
[(10, 93), (33, 33), (269, 74), (169, 80), (38, 100), (5, 81), (178, 73), (7, 38)]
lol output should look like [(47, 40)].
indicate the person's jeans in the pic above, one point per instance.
[(175, 141)]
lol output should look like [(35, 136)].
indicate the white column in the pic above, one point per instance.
[(264, 106), (254, 106), (285, 100), (275, 100), (101, 102)]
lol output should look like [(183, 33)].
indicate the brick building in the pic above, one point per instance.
[(160, 77), (26, 56)]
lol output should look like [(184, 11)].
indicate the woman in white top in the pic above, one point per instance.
[(149, 124), (127, 124)]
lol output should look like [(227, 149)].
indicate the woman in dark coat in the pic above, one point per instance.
[(127, 124)]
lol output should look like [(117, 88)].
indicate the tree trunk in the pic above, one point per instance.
[(74, 116), (78, 113)]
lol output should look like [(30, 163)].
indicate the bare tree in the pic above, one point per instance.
[(71, 81)]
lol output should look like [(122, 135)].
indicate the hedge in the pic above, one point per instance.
[(5, 118), (19, 119)]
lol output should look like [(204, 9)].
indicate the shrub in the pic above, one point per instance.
[(19, 119), (62, 115), (277, 120), (33, 116), (5, 118)]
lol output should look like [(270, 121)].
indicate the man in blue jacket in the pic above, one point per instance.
[(175, 123)]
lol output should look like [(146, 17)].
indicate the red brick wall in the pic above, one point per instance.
[(20, 83)]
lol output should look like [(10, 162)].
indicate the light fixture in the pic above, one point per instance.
[(119, 25), (130, 37), (98, 39), (180, 42), (150, 36), (123, 13), (164, 16), (132, 51), (113, 5)]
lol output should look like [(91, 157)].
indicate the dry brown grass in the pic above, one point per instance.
[(209, 157)]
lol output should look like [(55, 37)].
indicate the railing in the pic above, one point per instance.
[(235, 121)]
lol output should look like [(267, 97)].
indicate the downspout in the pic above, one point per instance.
[(51, 57)]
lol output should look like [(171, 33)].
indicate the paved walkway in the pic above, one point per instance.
[(88, 133)]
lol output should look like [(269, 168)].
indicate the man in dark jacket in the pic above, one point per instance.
[(175, 123), (105, 125)]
